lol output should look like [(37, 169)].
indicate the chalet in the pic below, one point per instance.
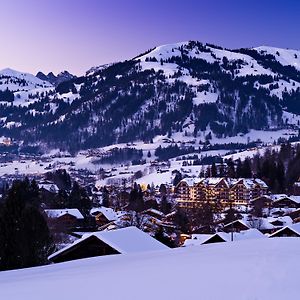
[(48, 192), (263, 201), (221, 237), (48, 187), (64, 218), (280, 221), (120, 241), (235, 226), (103, 215), (154, 213), (284, 201), (196, 239), (287, 231), (295, 215)]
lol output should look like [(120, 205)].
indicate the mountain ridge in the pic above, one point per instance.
[(186, 90)]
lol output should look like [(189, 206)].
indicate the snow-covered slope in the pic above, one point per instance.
[(249, 66), (264, 269), (286, 57), (19, 81), (26, 88), (186, 91)]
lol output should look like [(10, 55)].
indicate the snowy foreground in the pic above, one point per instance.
[(260, 269)]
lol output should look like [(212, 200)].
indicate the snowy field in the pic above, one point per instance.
[(264, 269)]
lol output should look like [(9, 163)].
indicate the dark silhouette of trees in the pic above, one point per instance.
[(25, 240)]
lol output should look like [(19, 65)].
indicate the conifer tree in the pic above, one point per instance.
[(25, 240)]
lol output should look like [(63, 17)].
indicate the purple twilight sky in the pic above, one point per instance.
[(78, 34)]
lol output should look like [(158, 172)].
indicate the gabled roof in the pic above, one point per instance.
[(296, 199), (57, 213), (155, 212), (215, 180), (277, 197), (124, 240), (294, 227), (107, 212), (196, 239), (50, 187), (266, 197), (191, 181), (235, 222), (252, 233)]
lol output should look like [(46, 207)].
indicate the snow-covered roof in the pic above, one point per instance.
[(108, 212), (265, 223), (191, 181), (250, 183), (294, 227), (155, 211), (196, 239), (50, 187), (213, 180), (242, 222), (295, 198), (286, 220), (56, 213), (252, 233), (276, 197), (124, 240)]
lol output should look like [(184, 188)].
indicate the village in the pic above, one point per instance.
[(142, 217)]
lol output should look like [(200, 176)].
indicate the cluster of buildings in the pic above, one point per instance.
[(193, 192)]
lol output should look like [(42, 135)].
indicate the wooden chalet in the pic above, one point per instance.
[(287, 231), (287, 201), (235, 226), (64, 218), (120, 241), (263, 201), (103, 215)]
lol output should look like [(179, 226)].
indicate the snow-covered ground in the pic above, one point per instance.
[(284, 56), (264, 269)]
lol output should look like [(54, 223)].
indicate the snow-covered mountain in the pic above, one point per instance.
[(19, 81), (55, 79), (186, 91), (19, 88)]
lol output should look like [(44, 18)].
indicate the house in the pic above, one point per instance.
[(263, 201), (63, 218), (295, 215), (284, 201), (103, 215), (234, 236), (287, 231), (120, 241), (154, 213), (48, 191), (48, 187), (236, 226)]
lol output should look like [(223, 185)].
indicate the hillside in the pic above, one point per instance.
[(255, 269), (185, 91)]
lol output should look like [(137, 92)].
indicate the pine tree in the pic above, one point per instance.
[(214, 170), (25, 240)]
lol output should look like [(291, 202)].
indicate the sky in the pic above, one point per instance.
[(74, 35)]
